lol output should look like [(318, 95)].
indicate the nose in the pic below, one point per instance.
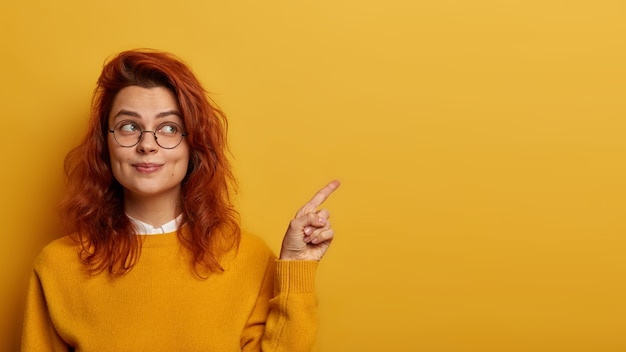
[(147, 144)]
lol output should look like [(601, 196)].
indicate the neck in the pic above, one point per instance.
[(156, 210)]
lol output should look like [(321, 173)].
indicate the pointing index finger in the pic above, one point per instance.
[(318, 198)]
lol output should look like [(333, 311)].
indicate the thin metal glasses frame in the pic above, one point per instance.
[(154, 133)]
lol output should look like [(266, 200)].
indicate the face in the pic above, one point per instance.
[(147, 170)]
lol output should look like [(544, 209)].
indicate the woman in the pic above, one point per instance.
[(155, 259)]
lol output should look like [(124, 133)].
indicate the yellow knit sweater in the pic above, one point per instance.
[(258, 303)]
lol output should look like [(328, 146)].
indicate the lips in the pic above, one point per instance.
[(146, 168)]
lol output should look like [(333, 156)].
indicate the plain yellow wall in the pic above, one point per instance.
[(481, 145)]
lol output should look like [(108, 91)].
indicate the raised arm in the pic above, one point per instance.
[(289, 318)]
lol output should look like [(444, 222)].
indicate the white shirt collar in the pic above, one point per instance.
[(146, 229)]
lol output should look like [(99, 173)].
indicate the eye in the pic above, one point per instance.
[(169, 129), (128, 127)]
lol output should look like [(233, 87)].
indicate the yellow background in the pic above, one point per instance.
[(481, 145)]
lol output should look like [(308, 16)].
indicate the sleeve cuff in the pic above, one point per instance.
[(296, 276)]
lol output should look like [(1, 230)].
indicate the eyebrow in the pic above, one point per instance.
[(124, 112)]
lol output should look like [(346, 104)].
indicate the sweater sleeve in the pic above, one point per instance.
[(288, 293), (38, 333)]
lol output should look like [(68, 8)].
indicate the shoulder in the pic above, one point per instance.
[(252, 252), (253, 241), (61, 252), (252, 244)]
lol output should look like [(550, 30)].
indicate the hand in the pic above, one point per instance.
[(309, 234)]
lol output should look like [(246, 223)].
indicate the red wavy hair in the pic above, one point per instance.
[(93, 208)]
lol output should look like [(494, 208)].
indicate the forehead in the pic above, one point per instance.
[(143, 102)]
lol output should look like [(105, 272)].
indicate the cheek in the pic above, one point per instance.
[(113, 154), (182, 169), (117, 160), (185, 162)]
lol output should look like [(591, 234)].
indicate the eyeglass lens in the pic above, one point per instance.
[(168, 135)]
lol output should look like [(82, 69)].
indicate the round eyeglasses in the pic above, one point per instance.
[(167, 135)]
